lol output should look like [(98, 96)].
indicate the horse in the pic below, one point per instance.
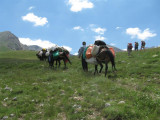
[(57, 55), (43, 55), (103, 56)]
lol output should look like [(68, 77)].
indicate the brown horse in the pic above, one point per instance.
[(104, 56), (62, 55)]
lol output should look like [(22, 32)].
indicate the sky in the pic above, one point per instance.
[(68, 23)]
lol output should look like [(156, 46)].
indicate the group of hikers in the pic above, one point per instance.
[(130, 46), (96, 54)]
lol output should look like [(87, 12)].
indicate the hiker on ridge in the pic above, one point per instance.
[(143, 44), (136, 46), (129, 48)]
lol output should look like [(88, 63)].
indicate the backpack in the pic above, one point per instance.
[(130, 45), (136, 44), (143, 43)]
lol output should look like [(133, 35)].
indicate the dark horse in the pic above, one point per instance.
[(62, 55), (103, 56), (99, 43)]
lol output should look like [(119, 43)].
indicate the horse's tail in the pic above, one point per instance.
[(66, 57), (112, 58)]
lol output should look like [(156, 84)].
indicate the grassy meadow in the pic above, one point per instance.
[(30, 90)]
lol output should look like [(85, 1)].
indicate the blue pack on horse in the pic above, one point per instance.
[(102, 55), (58, 54)]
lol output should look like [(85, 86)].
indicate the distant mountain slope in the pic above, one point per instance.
[(32, 47), (115, 48), (8, 41)]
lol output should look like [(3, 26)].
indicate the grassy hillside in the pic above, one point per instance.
[(29, 89)]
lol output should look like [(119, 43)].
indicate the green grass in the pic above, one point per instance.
[(29, 89)]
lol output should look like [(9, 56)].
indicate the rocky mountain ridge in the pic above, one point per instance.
[(8, 41)]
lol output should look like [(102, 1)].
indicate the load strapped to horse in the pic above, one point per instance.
[(43, 54), (97, 54), (57, 54)]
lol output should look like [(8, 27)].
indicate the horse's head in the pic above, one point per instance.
[(66, 51), (99, 42)]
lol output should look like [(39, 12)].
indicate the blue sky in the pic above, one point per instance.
[(70, 22)]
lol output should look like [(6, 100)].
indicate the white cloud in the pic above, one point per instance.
[(75, 54), (39, 42), (78, 5), (99, 37), (31, 7), (68, 48), (99, 30), (117, 28), (78, 28), (42, 43), (38, 21), (137, 33)]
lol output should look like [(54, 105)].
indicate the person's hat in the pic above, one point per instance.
[(84, 43)]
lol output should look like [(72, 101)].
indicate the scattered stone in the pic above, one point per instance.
[(5, 117), (78, 98), (8, 88), (40, 112), (107, 104), (77, 106), (41, 105), (155, 55), (34, 83), (121, 102), (64, 80), (11, 115), (14, 99), (4, 104), (5, 99), (62, 94)]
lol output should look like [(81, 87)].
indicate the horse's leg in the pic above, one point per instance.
[(59, 63), (106, 68), (100, 63), (114, 67), (51, 63), (101, 67), (64, 63), (96, 70), (56, 63)]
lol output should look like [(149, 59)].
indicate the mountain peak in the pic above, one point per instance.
[(8, 41)]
